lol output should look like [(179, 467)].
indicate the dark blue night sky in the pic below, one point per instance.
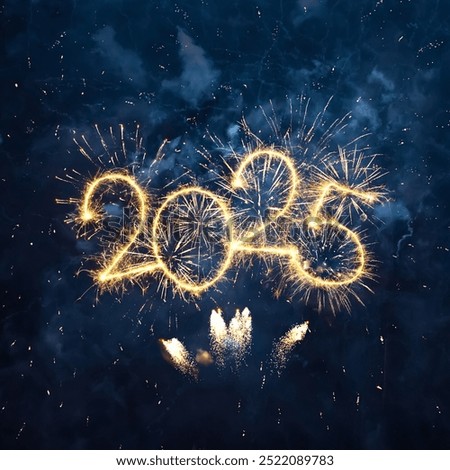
[(82, 371)]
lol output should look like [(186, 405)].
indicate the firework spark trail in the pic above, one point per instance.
[(185, 278), (232, 341), (335, 260), (315, 273), (289, 198), (240, 178), (283, 347), (179, 357)]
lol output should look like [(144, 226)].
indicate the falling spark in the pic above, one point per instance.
[(229, 344), (178, 356), (284, 346)]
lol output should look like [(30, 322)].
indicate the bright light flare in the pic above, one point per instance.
[(90, 211), (193, 239)]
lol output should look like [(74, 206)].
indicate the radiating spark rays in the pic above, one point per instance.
[(300, 269), (344, 183), (333, 261), (283, 347), (284, 198), (308, 139), (232, 341), (240, 179), (269, 176), (307, 275), (179, 357), (90, 212), (192, 196)]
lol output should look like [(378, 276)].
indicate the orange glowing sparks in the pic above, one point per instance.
[(191, 240), (299, 205)]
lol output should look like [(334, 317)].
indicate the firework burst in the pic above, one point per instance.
[(284, 346), (232, 341)]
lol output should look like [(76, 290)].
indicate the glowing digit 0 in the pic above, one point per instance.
[(187, 228)]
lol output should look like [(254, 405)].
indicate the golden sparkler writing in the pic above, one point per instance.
[(238, 242)]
